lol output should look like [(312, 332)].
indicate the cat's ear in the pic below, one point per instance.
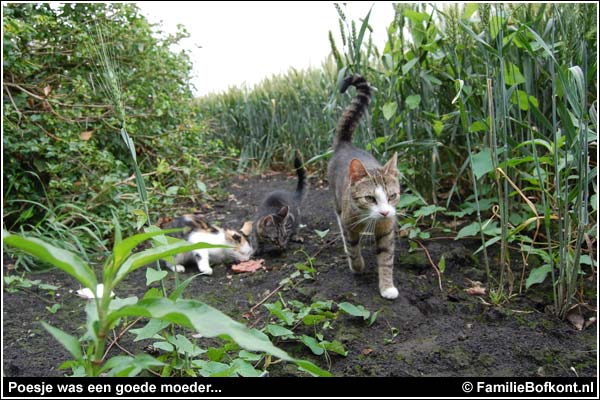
[(247, 228), (266, 221), (357, 170), (391, 167), (283, 212)]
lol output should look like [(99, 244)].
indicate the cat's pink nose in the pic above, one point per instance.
[(384, 213)]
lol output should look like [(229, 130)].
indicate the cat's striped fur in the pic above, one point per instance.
[(278, 216), (365, 193)]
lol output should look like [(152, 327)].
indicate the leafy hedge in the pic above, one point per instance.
[(63, 157)]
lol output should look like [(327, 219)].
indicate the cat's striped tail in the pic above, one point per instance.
[(348, 121), (301, 174)]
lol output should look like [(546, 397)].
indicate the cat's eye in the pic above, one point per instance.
[(370, 199), (237, 238), (393, 196)]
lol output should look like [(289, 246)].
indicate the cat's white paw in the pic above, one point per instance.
[(389, 293), (207, 271), (179, 268)]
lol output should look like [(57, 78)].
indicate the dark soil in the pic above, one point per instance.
[(425, 332)]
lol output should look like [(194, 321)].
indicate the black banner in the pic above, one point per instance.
[(298, 387)]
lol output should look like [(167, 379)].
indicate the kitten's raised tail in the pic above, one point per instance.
[(301, 174), (354, 111)]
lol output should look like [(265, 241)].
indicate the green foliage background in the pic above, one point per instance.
[(63, 156)]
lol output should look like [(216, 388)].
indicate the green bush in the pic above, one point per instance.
[(62, 144)]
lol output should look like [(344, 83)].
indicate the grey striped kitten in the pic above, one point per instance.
[(278, 216), (365, 193)]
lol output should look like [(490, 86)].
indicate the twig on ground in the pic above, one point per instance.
[(435, 267), (119, 336)]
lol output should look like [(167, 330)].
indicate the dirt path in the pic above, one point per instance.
[(425, 332)]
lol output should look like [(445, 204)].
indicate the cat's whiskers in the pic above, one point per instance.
[(363, 218)]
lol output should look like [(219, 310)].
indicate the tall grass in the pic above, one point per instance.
[(279, 115)]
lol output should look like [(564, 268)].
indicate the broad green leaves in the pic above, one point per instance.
[(482, 163), (63, 259), (537, 275), (209, 322), (389, 109)]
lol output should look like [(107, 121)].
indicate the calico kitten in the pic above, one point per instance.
[(365, 193), (278, 215), (198, 230)]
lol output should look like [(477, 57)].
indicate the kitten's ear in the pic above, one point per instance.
[(357, 170), (247, 228), (283, 212), (266, 221), (391, 167)]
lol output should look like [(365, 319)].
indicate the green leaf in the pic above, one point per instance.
[(63, 259), (335, 346), (69, 342), (488, 243), (512, 74), (482, 162), (428, 210), (153, 292), (122, 250), (470, 230), (408, 200), (389, 109), (215, 353), (246, 355), (310, 320), (438, 127), (121, 366), (373, 317), (321, 234), (150, 330), (496, 23), (181, 287), (277, 330), (312, 344), (244, 368), (413, 101), (536, 142), (284, 315), (312, 368), (204, 319), (469, 10), (442, 264), (166, 346), (201, 186), (154, 254), (409, 65), (478, 126), (415, 16), (52, 310), (355, 311), (185, 346), (213, 368), (478, 38), (153, 275), (537, 275)]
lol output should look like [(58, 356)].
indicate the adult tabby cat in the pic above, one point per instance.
[(365, 193), (198, 230), (278, 216)]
